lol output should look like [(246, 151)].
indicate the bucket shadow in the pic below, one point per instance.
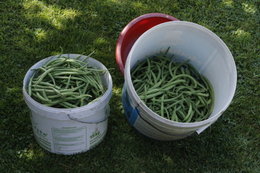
[(211, 149)]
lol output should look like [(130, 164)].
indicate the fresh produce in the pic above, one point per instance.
[(66, 83), (173, 90)]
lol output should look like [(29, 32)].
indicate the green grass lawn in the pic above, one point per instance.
[(31, 30)]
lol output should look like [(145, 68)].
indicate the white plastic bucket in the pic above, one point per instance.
[(69, 131), (206, 52)]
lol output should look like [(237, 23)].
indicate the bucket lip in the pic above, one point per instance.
[(92, 105), (127, 75), (121, 37)]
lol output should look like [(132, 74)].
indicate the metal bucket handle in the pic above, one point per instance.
[(96, 122)]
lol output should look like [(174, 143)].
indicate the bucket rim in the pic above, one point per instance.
[(122, 34), (130, 87), (104, 98)]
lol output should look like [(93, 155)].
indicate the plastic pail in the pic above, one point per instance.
[(69, 131), (205, 51), (135, 29)]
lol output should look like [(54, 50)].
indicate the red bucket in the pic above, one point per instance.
[(133, 31)]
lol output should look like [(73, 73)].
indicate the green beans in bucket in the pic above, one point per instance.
[(173, 90), (66, 83)]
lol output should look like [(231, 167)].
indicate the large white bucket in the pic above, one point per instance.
[(69, 131), (206, 52)]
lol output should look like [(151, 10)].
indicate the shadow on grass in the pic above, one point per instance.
[(44, 28)]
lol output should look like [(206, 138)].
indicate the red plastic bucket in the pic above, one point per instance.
[(133, 31)]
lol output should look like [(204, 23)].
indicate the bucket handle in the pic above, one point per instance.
[(87, 122), (200, 130)]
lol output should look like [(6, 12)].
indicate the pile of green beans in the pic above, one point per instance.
[(66, 83), (173, 90)]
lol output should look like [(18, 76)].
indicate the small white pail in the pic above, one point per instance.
[(69, 131)]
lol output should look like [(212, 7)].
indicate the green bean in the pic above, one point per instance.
[(151, 91), (73, 78), (138, 67), (137, 80), (45, 84), (145, 93), (72, 89), (182, 115), (91, 81), (82, 100), (45, 95), (148, 74), (201, 94), (66, 99), (170, 69), (50, 61), (162, 106), (43, 75), (170, 100), (166, 52), (141, 87), (68, 83), (77, 97), (62, 95), (38, 95), (167, 113), (151, 95), (172, 84), (49, 74), (154, 77), (190, 116), (68, 105), (55, 63), (57, 70), (41, 90), (30, 85), (189, 113), (65, 105), (69, 73), (159, 72), (202, 100), (188, 76), (174, 116), (158, 84), (198, 112), (187, 71)]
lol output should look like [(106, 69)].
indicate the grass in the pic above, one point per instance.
[(31, 30)]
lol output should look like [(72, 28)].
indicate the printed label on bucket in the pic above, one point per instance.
[(69, 139), (96, 137), (42, 138)]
